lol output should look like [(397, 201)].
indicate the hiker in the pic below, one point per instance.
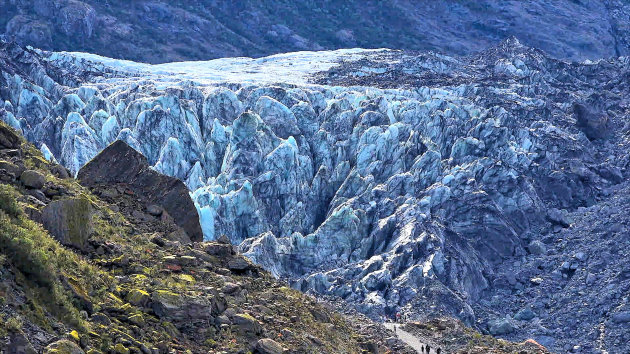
[(397, 317)]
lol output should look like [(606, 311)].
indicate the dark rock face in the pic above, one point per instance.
[(121, 164), (19, 344), (8, 139), (594, 124), (209, 29)]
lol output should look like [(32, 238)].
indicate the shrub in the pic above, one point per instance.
[(8, 201), (14, 324), (27, 255)]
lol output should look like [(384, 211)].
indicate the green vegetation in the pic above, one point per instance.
[(8, 201), (49, 275), (39, 263), (14, 324)]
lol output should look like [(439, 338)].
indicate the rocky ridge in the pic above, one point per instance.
[(403, 181), (164, 31)]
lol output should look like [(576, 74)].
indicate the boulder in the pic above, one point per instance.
[(217, 249), (120, 163), (138, 297), (11, 168), (238, 264), (525, 314), (176, 307), (19, 344), (8, 138), (69, 221), (179, 235), (230, 288), (247, 324), (64, 346), (60, 172), (165, 302), (537, 248), (137, 319), (594, 124), (501, 326), (268, 346), (33, 179)]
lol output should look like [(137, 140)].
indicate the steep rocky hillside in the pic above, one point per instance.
[(163, 31), (97, 270), (483, 187)]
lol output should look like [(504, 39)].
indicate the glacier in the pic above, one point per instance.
[(392, 198)]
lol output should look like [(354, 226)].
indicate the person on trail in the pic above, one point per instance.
[(397, 317)]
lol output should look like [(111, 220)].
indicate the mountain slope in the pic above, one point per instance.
[(163, 31)]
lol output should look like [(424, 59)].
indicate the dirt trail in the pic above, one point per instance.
[(408, 338)]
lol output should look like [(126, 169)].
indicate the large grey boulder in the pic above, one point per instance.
[(268, 346), (33, 179), (119, 163), (177, 307), (247, 324), (64, 346), (501, 326), (69, 221)]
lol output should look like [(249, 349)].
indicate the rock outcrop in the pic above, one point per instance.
[(121, 164), (8, 139)]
